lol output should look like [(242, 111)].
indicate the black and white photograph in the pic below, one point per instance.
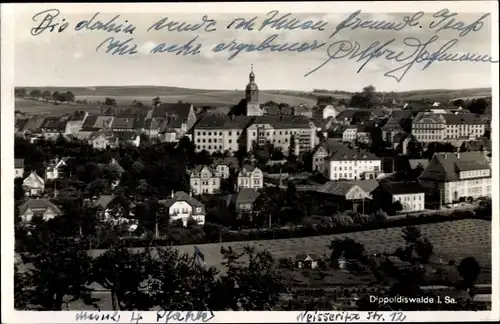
[(224, 157)]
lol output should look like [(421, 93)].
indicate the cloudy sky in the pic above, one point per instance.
[(70, 58)]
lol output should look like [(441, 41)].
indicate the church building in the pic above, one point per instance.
[(252, 97)]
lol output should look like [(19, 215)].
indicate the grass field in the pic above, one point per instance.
[(452, 240)]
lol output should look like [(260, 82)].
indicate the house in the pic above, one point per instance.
[(33, 185), (308, 261), (52, 127), (40, 207), (18, 168), (179, 117), (452, 177), (428, 127), (101, 140), (349, 134), (349, 195), (75, 122), (204, 180), (52, 171), (182, 206), (243, 200), (352, 116), (322, 151), (152, 128), (250, 177), (105, 204), (410, 194), (125, 138), (352, 164), (224, 166)]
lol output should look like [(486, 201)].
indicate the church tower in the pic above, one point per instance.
[(252, 96)]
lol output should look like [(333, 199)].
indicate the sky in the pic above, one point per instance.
[(70, 58)]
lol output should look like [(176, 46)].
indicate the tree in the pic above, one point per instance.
[(56, 95), (347, 248), (122, 273), (18, 189), (47, 95), (469, 269), (478, 106), (365, 99), (35, 93), (459, 103), (60, 268), (110, 102), (254, 286), (20, 92), (70, 97)]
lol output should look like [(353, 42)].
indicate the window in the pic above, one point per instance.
[(198, 209), (209, 133), (229, 133)]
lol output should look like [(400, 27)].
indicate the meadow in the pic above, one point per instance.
[(453, 240)]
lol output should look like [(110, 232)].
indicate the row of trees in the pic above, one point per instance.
[(59, 270), (56, 96)]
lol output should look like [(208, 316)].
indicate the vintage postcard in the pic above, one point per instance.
[(301, 162)]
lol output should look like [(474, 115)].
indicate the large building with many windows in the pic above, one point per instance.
[(352, 164), (457, 176), (281, 132), (220, 133)]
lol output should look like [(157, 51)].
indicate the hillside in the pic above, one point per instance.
[(125, 95)]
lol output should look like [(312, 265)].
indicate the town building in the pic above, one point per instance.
[(243, 200), (224, 166), (252, 97), (349, 195), (452, 177), (182, 206), (357, 133), (308, 261), (467, 126), (322, 151), (18, 168), (178, 118), (52, 171), (152, 128), (52, 127), (352, 116), (281, 132), (33, 185), (352, 164), (410, 194), (250, 177), (75, 122), (204, 180), (221, 133), (428, 127), (38, 207)]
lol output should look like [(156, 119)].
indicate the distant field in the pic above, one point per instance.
[(49, 109), (447, 94), (452, 240)]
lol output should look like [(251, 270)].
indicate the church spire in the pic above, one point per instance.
[(252, 75)]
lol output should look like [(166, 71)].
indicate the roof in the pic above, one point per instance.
[(415, 162), (77, 116), (180, 110), (21, 123), (446, 166), (34, 123), (354, 113), (104, 201), (124, 123), (181, 196), (351, 154), (342, 188), (200, 168), (18, 163), (37, 177), (53, 124), (303, 257), (212, 121), (89, 122), (245, 196), (231, 162), (125, 136), (152, 124), (283, 122), (399, 188), (38, 205), (452, 119)]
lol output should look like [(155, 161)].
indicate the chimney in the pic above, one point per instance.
[(172, 194), (190, 193), (458, 156), (445, 156)]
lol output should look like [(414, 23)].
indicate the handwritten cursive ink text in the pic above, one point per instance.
[(184, 316), (208, 25), (109, 26), (445, 20), (48, 22), (118, 47), (186, 49)]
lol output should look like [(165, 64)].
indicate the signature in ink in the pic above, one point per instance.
[(417, 52), (49, 22), (203, 316), (118, 47)]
